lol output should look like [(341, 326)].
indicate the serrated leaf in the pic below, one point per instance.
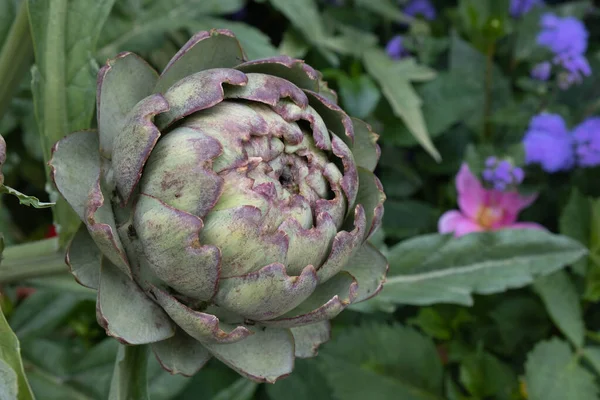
[(24, 199), (441, 269), (575, 223), (552, 372), (393, 362), (304, 15), (12, 373), (403, 99), (562, 303)]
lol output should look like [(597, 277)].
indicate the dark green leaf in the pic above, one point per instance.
[(389, 362)]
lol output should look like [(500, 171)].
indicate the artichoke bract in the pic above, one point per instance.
[(226, 207)]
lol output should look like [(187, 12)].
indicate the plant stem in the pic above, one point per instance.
[(16, 57), (32, 260), (129, 381), (488, 84)]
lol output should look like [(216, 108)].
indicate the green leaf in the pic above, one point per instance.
[(527, 30), (64, 34), (42, 312), (138, 25), (359, 95), (13, 383), (391, 362), (562, 302), (468, 65), (255, 43), (24, 199), (8, 11), (439, 268), (592, 289), (304, 16), (306, 382), (552, 372), (242, 389), (575, 223), (403, 99), (485, 376), (432, 323), (592, 354), (387, 9), (129, 379), (406, 218)]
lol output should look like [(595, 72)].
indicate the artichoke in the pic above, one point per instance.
[(226, 207)]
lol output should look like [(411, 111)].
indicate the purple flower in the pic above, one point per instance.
[(502, 175), (521, 7), (548, 143), (422, 8), (542, 71), (576, 67), (586, 137), (563, 36), (567, 38), (395, 48)]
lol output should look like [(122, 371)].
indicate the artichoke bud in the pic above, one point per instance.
[(227, 206)]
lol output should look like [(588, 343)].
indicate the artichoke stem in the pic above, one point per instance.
[(32, 260), (130, 381)]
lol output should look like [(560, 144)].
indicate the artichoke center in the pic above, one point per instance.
[(287, 181)]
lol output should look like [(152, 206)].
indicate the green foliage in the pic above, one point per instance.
[(437, 268), (562, 302), (553, 372)]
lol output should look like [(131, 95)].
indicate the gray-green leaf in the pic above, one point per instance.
[(441, 269), (562, 303), (552, 372)]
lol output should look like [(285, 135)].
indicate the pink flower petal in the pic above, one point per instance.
[(467, 226), (448, 221), (471, 194), (457, 222), (512, 203)]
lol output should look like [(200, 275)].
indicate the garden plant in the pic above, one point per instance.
[(299, 199)]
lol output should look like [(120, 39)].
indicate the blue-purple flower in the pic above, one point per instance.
[(548, 143), (586, 137), (521, 7), (422, 8), (542, 71), (567, 38), (566, 35), (395, 48), (502, 174)]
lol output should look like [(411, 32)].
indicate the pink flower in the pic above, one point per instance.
[(484, 209)]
